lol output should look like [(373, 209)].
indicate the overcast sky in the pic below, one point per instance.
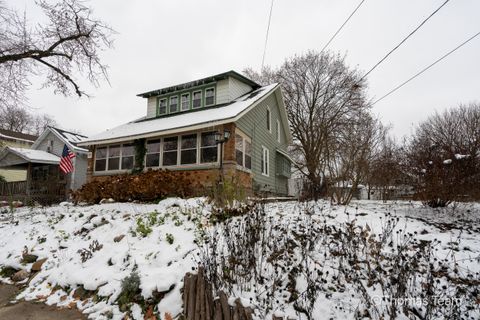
[(162, 43)]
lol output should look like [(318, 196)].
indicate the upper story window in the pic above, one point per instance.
[(173, 104), (162, 106), (197, 99), (185, 101), (269, 120), (209, 96), (278, 132), (153, 153)]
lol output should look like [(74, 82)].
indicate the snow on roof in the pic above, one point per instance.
[(13, 135), (185, 121), (70, 138), (37, 156)]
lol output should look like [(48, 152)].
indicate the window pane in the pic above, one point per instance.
[(209, 154), (153, 160), (153, 146), (248, 147), (127, 162), (170, 143), (185, 101), (189, 156), (113, 163), (197, 99), (174, 104), (169, 158), (189, 141), (114, 151), (100, 165), (127, 150), (239, 156), (208, 139), (248, 161), (101, 153), (209, 96), (268, 119), (162, 106)]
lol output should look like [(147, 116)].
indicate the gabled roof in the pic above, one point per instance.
[(200, 82), (31, 155), (71, 139), (14, 135), (184, 121)]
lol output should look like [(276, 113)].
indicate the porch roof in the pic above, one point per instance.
[(11, 156)]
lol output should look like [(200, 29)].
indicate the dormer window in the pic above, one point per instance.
[(162, 106), (197, 99), (185, 101), (173, 104), (209, 97)]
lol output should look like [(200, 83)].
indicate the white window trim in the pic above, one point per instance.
[(201, 99), (269, 114), (279, 136), (205, 95), (245, 138), (188, 100), (266, 162)]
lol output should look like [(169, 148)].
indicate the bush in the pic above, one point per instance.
[(148, 186)]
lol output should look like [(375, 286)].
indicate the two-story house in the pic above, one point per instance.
[(224, 124)]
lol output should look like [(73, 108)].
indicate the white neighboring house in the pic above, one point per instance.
[(44, 178)]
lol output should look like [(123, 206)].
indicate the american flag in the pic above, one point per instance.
[(66, 164)]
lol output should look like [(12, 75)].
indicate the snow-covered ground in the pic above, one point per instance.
[(299, 266)]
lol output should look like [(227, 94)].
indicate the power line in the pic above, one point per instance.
[(426, 68), (405, 39), (266, 36), (341, 27)]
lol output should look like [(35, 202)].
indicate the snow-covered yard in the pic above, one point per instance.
[(303, 258)]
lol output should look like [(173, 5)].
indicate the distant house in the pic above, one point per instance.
[(44, 181), (185, 127), (15, 139)]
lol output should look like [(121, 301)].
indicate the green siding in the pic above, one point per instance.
[(254, 124)]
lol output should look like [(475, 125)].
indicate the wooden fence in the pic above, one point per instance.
[(199, 304), (45, 193), (13, 188)]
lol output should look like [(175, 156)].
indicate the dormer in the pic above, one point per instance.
[(196, 95)]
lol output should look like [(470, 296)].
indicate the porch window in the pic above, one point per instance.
[(162, 106), (127, 156), (239, 149), (265, 161), (101, 159), (185, 101), (114, 157), (248, 154), (189, 149), (209, 97), (170, 148), (173, 104), (197, 99), (153, 153), (208, 148)]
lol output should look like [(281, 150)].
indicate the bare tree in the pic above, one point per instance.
[(67, 45), (21, 119), (444, 156), (323, 97)]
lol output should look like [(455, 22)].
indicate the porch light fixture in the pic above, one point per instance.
[(219, 140)]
